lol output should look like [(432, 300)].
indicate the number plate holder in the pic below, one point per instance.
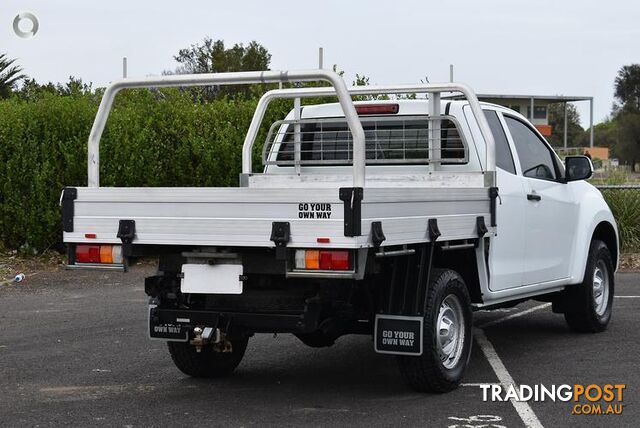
[(211, 279), (171, 332)]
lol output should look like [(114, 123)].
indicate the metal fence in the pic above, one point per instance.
[(624, 201)]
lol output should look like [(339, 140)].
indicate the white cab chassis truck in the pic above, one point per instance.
[(389, 218)]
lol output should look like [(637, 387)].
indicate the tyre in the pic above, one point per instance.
[(316, 339), (207, 363), (588, 306), (447, 336)]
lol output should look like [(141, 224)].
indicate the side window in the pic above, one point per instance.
[(535, 157), (504, 158)]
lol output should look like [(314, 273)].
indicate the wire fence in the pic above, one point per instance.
[(624, 201)]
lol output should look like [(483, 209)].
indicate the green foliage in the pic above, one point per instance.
[(211, 56), (362, 80), (30, 90), (627, 114), (42, 146), (621, 132), (10, 75), (605, 134), (152, 138), (625, 205), (556, 121), (614, 177), (176, 137), (627, 87), (628, 147)]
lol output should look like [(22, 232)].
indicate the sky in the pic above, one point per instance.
[(537, 47)]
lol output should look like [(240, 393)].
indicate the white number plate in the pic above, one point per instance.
[(211, 279)]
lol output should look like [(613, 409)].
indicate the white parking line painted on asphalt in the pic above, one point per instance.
[(474, 420), (523, 409), (516, 315), (627, 297), (478, 384)]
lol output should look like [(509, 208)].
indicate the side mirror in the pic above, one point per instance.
[(577, 168)]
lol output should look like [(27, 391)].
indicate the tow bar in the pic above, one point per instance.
[(207, 335)]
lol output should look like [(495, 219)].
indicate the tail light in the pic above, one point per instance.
[(106, 254), (323, 259)]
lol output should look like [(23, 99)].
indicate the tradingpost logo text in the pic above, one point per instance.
[(592, 399)]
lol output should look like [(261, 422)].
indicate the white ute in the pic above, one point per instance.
[(393, 218)]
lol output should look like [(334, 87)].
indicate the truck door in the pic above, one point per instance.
[(550, 209), (507, 249)]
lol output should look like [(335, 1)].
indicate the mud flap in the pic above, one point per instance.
[(172, 332), (398, 335)]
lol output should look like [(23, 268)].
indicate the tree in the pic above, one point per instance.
[(627, 113), (556, 121), (30, 90), (74, 87), (363, 80), (627, 87), (605, 134), (10, 75), (211, 56), (628, 147)]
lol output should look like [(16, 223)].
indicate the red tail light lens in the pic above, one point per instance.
[(107, 254), (340, 260), (323, 259), (326, 260), (88, 253)]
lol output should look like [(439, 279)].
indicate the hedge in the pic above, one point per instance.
[(152, 138), (625, 206)]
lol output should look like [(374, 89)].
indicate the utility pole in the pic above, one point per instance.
[(320, 58), (451, 73), (565, 127), (124, 67)]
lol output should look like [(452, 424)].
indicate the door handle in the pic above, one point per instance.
[(533, 197)]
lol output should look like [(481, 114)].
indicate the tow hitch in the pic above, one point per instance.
[(207, 335)]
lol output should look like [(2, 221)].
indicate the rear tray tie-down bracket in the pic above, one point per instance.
[(481, 227), (280, 235), (352, 199), (69, 195), (127, 233), (377, 234), (434, 234)]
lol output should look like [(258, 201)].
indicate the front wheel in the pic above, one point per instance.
[(588, 306), (207, 363), (446, 336)]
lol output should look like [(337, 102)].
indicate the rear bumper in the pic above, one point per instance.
[(233, 322)]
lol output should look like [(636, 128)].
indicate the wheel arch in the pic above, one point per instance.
[(464, 263), (606, 233), (602, 226), (594, 221)]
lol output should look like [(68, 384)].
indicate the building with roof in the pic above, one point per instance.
[(535, 108)]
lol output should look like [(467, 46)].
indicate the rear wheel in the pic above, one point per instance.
[(446, 337), (316, 339), (207, 363), (588, 306)]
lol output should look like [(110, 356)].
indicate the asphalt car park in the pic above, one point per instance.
[(73, 349)]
